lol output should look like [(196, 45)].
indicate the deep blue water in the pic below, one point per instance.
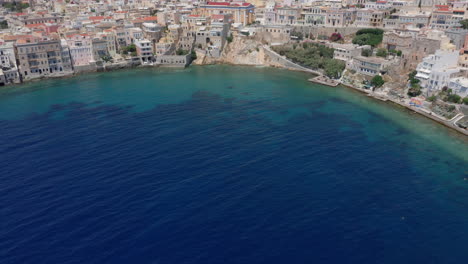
[(224, 165)]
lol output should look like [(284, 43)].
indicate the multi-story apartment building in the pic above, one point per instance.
[(370, 18), (396, 20), (144, 50), (314, 16), (122, 37), (370, 66), (164, 47), (8, 71), (339, 17), (441, 18), (269, 13), (40, 57), (242, 13), (109, 37), (23, 19), (286, 15), (100, 49), (134, 33), (436, 70), (152, 32), (81, 50), (414, 45), (67, 64)]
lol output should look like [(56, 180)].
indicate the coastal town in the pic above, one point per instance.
[(410, 52)]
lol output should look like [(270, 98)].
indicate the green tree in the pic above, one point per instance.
[(414, 90), (16, 6), (377, 81), (414, 81), (366, 52), (464, 23), (465, 100), (368, 36), (297, 34), (382, 52), (106, 58), (181, 52), (3, 24), (334, 68), (129, 49), (432, 98), (454, 98), (313, 56), (193, 55), (229, 38)]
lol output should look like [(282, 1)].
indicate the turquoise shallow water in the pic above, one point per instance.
[(222, 164)]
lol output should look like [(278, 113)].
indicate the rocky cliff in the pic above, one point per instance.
[(241, 51), (245, 51)]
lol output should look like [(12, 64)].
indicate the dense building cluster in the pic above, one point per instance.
[(41, 38)]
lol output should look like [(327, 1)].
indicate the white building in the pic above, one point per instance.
[(459, 85), (144, 49), (8, 70), (436, 70), (346, 52)]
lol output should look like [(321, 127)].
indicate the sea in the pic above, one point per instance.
[(224, 164)]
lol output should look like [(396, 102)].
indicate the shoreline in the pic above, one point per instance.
[(387, 100), (393, 102)]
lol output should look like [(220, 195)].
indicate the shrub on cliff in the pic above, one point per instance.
[(381, 53), (368, 36)]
